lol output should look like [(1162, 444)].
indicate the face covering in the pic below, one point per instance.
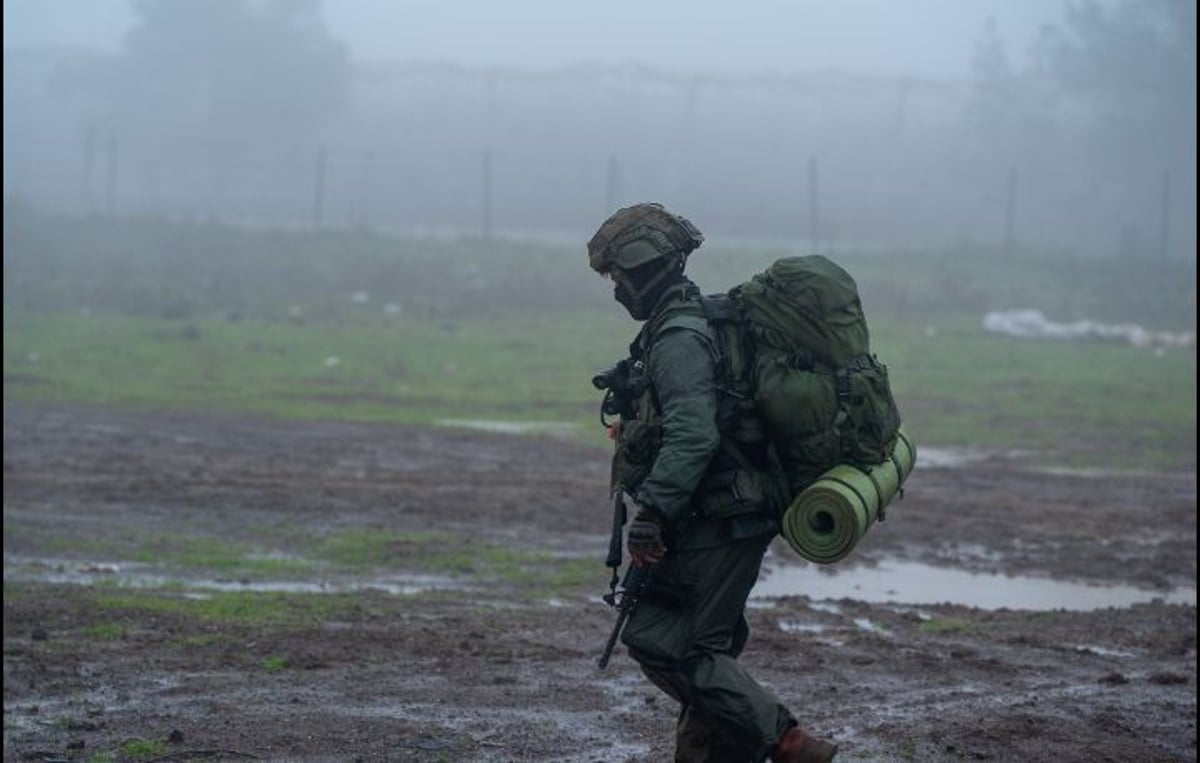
[(630, 301), (639, 303)]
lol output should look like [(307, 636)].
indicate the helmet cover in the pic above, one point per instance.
[(635, 235)]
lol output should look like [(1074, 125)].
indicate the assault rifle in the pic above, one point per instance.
[(625, 600), (624, 597)]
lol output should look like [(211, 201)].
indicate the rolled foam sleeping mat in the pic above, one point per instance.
[(829, 517)]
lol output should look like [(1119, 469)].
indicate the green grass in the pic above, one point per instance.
[(457, 555), (346, 551), (363, 547), (218, 555), (526, 368), (275, 664), (241, 607), (960, 386), (964, 386), (190, 551), (155, 315), (140, 749), (944, 625), (105, 632), (202, 641)]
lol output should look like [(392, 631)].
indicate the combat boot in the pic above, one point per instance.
[(798, 746)]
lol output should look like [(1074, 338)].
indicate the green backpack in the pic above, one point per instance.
[(795, 352)]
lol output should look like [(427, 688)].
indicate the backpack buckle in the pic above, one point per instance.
[(842, 384)]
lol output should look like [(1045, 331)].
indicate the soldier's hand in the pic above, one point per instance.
[(646, 544)]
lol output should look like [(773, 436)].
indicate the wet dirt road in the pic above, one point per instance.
[(476, 664)]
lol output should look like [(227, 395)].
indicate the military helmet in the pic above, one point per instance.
[(635, 235)]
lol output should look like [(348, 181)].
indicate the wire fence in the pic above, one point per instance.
[(820, 162)]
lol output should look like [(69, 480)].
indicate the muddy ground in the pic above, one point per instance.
[(504, 669)]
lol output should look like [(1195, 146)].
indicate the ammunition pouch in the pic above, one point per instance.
[(732, 486), (634, 454)]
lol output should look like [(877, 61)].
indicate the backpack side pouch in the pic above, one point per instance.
[(868, 418)]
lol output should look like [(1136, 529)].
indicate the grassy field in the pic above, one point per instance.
[(362, 326)]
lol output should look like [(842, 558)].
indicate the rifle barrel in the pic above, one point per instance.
[(612, 638)]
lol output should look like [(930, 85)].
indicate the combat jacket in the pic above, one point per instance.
[(671, 455)]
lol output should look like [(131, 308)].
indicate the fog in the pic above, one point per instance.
[(980, 126)]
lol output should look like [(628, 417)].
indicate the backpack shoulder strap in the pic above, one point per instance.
[(733, 341), (720, 307), (742, 433)]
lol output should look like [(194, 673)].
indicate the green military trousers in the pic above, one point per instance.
[(686, 635)]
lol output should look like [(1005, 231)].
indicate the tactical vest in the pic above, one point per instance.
[(743, 476)]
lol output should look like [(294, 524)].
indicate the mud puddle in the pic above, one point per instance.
[(897, 582), (948, 458), (903, 582), (507, 675), (134, 575), (512, 427)]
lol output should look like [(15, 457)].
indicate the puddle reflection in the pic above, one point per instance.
[(915, 583), (137, 575), (890, 582)]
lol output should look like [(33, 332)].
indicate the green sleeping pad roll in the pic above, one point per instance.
[(829, 517)]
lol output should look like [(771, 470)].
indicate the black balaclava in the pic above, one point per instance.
[(641, 287)]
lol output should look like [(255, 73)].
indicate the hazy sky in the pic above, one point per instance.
[(931, 38)]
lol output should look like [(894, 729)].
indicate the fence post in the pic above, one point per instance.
[(319, 189), (685, 141), (360, 218), (1164, 217), (89, 157), (1010, 211), (487, 195), (612, 186), (110, 195), (216, 192)]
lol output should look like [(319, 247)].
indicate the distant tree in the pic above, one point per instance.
[(231, 72), (1008, 113), (994, 84), (1139, 54), (257, 69), (989, 61), (1128, 72)]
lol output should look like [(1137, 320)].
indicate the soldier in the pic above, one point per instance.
[(706, 499)]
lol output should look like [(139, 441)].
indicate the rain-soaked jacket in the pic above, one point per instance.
[(672, 456)]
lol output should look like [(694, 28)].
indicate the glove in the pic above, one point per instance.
[(645, 541)]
